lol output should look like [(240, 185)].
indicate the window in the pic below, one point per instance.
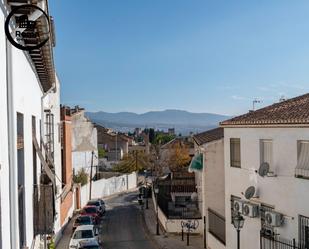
[(216, 224), (266, 151), (302, 168), (235, 152)]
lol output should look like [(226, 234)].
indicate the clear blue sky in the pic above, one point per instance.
[(196, 55)]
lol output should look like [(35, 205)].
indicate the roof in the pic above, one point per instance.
[(84, 227), (294, 111), (209, 136), (182, 141)]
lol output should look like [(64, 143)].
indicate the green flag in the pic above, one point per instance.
[(196, 163)]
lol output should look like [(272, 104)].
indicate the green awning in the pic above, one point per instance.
[(196, 163)]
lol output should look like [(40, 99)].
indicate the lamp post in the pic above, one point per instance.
[(238, 222), (146, 188), (156, 190)]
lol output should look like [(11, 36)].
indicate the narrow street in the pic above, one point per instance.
[(123, 225)]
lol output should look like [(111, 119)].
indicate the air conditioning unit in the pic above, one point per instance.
[(237, 206), (250, 210), (273, 219)]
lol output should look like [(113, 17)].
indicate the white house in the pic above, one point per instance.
[(84, 141), (268, 149), (28, 141), (210, 185)]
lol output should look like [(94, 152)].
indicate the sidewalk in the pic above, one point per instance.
[(168, 241), (66, 236)]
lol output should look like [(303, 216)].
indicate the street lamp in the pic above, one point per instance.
[(156, 190), (238, 222), (146, 188)]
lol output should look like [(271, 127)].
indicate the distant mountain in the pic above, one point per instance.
[(182, 121)]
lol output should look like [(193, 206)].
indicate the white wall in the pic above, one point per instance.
[(110, 186), (212, 181), (285, 192), (4, 169)]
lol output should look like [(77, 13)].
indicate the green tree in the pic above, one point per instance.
[(163, 138), (101, 152)]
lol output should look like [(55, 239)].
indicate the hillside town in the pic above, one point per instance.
[(69, 181)]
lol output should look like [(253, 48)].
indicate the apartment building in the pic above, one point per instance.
[(209, 173), (30, 154), (266, 175)]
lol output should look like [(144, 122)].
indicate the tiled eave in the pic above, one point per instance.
[(42, 58)]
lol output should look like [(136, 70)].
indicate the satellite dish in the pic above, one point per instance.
[(264, 169), (250, 192)]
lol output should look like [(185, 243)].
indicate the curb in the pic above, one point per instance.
[(148, 233)]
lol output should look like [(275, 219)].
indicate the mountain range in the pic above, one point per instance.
[(183, 121)]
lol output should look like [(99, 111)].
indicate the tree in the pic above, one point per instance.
[(179, 156), (163, 138), (134, 161), (101, 152)]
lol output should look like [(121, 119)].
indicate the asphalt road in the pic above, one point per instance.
[(123, 226)]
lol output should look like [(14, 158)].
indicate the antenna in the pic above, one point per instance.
[(250, 192), (255, 101)]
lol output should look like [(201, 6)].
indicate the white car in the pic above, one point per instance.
[(82, 233)]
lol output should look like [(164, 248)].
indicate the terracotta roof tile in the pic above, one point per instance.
[(289, 112), (208, 136)]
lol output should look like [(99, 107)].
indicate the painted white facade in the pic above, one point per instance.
[(286, 193), (84, 142), (21, 92), (211, 185)]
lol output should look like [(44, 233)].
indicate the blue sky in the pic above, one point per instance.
[(196, 55)]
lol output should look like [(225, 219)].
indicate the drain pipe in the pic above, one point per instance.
[(11, 124)]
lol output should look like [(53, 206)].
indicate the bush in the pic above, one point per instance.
[(81, 177)]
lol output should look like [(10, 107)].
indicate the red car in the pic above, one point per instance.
[(93, 212)]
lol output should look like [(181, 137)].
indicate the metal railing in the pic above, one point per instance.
[(216, 224), (274, 242)]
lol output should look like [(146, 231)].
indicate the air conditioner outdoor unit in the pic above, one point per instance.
[(237, 206), (250, 210), (273, 219)]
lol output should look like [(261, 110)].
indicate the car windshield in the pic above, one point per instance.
[(94, 203), (84, 220), (83, 234), (90, 210)]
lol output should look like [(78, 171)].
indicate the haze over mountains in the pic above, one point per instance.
[(183, 121)]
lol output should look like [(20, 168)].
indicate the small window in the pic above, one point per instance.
[(302, 168), (235, 152), (266, 152)]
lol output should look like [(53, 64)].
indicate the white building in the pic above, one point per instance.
[(210, 185), (84, 141), (26, 81), (276, 136)]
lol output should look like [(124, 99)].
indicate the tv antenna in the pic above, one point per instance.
[(254, 102)]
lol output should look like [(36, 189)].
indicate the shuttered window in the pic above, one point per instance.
[(302, 168), (235, 152), (266, 152)]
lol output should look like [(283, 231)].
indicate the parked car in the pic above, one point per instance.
[(82, 220), (91, 211), (98, 204), (89, 244), (84, 232)]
